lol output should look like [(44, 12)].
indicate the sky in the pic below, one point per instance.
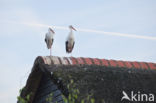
[(21, 41)]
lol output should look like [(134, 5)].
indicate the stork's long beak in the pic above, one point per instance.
[(52, 30), (73, 28)]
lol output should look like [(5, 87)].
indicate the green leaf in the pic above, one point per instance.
[(92, 100), (28, 97), (82, 101)]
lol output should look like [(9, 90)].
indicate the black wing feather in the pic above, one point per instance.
[(67, 46), (73, 46), (52, 41)]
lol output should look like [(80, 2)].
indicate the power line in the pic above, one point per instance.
[(91, 31)]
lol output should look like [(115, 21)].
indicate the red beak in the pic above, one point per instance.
[(73, 28), (52, 30)]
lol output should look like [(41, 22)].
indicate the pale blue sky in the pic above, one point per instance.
[(21, 44)]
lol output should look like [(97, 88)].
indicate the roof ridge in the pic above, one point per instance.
[(50, 60)]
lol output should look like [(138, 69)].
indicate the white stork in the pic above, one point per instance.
[(49, 39), (70, 40)]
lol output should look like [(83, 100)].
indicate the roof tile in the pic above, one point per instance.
[(74, 60), (88, 61), (120, 64), (96, 61), (48, 61), (143, 65), (152, 65), (136, 65), (64, 60), (112, 63), (104, 62), (55, 60), (128, 64), (80, 61)]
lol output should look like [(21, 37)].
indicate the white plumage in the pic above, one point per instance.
[(70, 40), (49, 38)]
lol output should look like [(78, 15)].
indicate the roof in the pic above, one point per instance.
[(47, 65), (95, 61)]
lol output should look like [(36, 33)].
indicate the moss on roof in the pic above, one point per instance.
[(104, 83)]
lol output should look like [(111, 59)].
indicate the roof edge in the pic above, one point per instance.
[(51, 60)]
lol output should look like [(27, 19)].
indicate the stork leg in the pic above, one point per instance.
[(50, 51), (71, 54)]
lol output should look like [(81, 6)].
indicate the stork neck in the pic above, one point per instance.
[(49, 31), (71, 30)]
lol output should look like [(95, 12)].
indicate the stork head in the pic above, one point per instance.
[(71, 27), (51, 30)]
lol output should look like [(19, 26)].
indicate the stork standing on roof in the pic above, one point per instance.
[(49, 39), (70, 40)]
